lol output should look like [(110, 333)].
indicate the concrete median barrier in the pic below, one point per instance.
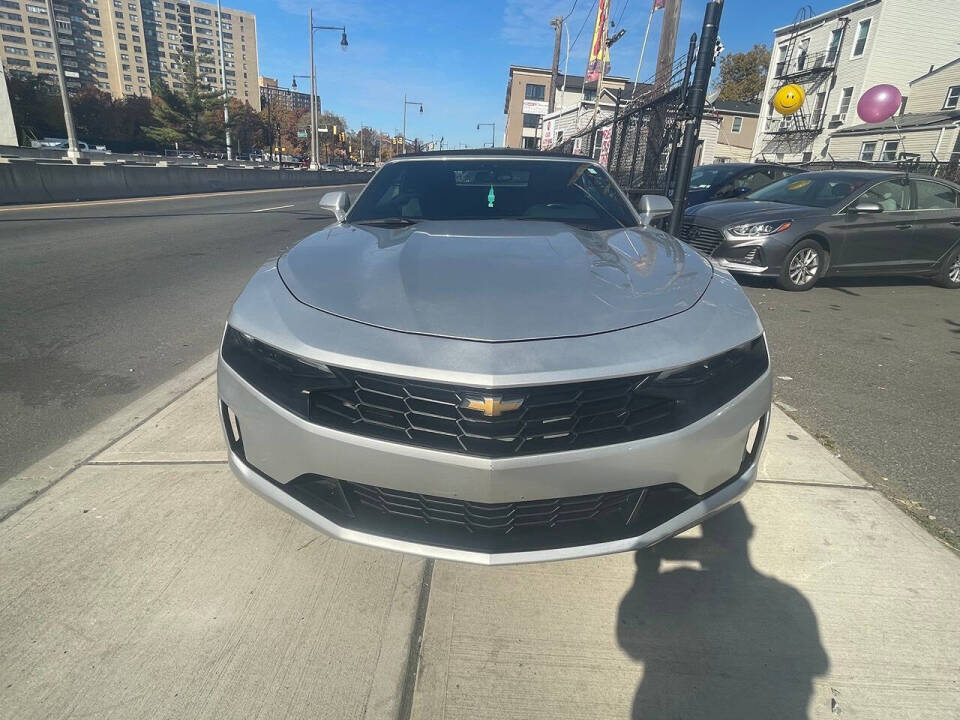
[(24, 181)]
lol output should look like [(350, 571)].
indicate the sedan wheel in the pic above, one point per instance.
[(949, 276), (803, 266)]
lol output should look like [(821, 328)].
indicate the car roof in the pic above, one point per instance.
[(492, 153)]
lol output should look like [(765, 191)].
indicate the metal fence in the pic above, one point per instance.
[(636, 142), (946, 170)]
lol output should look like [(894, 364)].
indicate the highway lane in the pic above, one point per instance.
[(101, 302)]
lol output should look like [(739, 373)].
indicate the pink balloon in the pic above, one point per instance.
[(879, 103)]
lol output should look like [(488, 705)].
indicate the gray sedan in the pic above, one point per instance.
[(836, 222), (494, 358)]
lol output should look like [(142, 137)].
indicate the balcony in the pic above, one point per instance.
[(806, 65)]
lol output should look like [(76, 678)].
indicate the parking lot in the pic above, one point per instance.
[(869, 367)]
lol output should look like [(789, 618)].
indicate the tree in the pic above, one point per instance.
[(185, 118), (743, 75), (37, 111)]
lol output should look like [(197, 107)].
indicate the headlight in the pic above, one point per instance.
[(284, 378), (760, 229)]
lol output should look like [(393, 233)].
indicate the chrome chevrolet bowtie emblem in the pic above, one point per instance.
[(491, 406)]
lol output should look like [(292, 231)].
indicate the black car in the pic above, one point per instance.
[(721, 181), (835, 222)]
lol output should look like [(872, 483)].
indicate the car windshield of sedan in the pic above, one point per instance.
[(810, 189), (572, 192), (708, 176)]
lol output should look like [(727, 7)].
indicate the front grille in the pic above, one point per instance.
[(705, 239), (491, 527), (549, 418)]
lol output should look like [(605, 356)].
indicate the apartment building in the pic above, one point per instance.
[(272, 94), (928, 130), (527, 101), (836, 56), (122, 46), (735, 126)]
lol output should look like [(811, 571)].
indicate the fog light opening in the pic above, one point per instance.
[(233, 425), (752, 438)]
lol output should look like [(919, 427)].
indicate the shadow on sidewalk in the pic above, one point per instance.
[(723, 641)]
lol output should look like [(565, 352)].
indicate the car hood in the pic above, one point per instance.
[(495, 280), (724, 212)]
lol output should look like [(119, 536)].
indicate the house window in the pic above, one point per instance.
[(889, 153), (863, 29), (529, 143), (535, 92), (737, 124), (845, 97), (589, 94), (953, 97), (834, 48), (867, 150), (530, 120), (818, 109)]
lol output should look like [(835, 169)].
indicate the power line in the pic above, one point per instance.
[(571, 10), (583, 25), (622, 11)]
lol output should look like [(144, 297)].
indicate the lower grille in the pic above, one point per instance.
[(705, 239), (491, 527)]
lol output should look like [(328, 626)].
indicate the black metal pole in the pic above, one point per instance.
[(694, 109), (684, 87), (613, 131)]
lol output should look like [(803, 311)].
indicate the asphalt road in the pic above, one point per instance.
[(101, 302), (869, 367)]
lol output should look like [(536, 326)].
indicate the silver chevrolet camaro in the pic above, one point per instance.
[(493, 357)]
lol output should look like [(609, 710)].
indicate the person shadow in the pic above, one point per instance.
[(721, 641)]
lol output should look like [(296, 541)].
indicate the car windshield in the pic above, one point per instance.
[(708, 176), (572, 192), (810, 189)]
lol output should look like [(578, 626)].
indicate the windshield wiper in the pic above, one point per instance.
[(388, 221)]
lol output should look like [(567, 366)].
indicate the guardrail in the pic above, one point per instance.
[(39, 181)]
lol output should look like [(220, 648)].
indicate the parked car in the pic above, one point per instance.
[(835, 222), (720, 181), (492, 357)]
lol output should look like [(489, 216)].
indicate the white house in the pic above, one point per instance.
[(837, 55), (927, 129)]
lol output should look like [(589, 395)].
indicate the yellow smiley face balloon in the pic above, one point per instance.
[(788, 99)]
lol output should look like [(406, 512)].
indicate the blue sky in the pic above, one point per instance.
[(454, 56)]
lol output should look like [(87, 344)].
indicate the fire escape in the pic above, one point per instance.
[(813, 71)]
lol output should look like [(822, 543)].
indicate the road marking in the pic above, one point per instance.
[(278, 207), (121, 201)]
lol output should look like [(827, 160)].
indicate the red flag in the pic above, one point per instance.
[(659, 4)]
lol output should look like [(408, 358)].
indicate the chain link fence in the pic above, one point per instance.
[(638, 140)]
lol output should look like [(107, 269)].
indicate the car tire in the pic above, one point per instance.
[(802, 266), (949, 275)]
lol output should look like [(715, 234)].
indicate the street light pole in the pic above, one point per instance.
[(313, 86), (72, 151), (493, 132), (313, 103), (223, 81), (403, 136)]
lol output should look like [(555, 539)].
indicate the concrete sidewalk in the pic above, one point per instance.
[(148, 583)]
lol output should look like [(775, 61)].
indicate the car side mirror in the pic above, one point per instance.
[(865, 206), (652, 207), (337, 202)]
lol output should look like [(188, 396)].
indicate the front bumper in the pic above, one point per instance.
[(707, 458)]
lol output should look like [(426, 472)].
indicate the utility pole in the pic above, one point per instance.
[(313, 103), (557, 25), (668, 42), (223, 81), (73, 153), (693, 109)]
